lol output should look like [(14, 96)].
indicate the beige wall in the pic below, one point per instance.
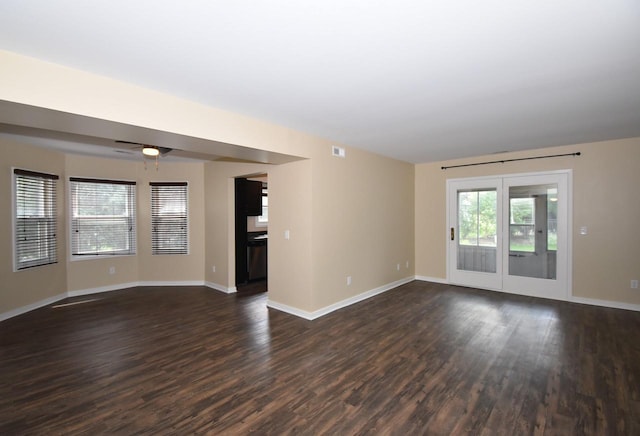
[(23, 288), (362, 224), (315, 199), (360, 216), (219, 218), (291, 266), (605, 199), (37, 83), (345, 217), (172, 268), (29, 286), (94, 273)]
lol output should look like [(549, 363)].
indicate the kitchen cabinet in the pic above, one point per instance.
[(250, 258), (249, 197)]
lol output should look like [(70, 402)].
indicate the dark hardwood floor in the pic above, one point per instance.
[(251, 288), (421, 359)]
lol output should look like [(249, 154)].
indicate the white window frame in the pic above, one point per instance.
[(157, 217), (524, 226), (131, 217), (260, 221), (49, 213)]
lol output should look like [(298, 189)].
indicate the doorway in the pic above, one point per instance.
[(251, 233), (510, 233)]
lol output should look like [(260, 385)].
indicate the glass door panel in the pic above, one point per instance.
[(474, 211), (477, 230), (510, 233), (536, 230), (533, 211)]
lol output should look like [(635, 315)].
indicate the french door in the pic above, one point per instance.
[(510, 233)]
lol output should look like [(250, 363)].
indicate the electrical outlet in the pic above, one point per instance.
[(112, 270), (634, 284), (398, 267), (348, 280), (213, 268), (407, 264)]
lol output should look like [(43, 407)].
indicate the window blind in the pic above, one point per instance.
[(169, 220), (103, 217), (35, 211)]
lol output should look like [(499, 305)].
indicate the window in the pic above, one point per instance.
[(169, 218), (263, 219), (522, 212), (552, 219), (35, 219), (477, 222), (103, 217)]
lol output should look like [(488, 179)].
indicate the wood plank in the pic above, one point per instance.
[(420, 359)]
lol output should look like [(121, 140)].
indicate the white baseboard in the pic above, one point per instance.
[(289, 309), (177, 283), (100, 289), (279, 306), (432, 279), (32, 306), (340, 304), (90, 291), (221, 288), (571, 299), (605, 303)]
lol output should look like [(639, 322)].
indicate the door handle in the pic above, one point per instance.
[(453, 234)]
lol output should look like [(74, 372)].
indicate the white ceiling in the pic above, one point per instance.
[(413, 79)]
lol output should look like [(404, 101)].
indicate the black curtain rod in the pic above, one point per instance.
[(512, 160)]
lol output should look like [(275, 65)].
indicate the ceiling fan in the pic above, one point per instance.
[(150, 151)]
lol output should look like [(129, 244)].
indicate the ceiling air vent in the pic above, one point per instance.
[(337, 151)]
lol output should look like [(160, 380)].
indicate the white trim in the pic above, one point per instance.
[(100, 289), (565, 272), (83, 257), (32, 306), (557, 288), (290, 310), (69, 200), (14, 210), (121, 286), (173, 283), (187, 212), (578, 300), (488, 280), (605, 303), (569, 272), (13, 221), (340, 304), (285, 308), (432, 279), (217, 287)]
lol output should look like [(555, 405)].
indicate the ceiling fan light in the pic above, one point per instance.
[(150, 151)]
